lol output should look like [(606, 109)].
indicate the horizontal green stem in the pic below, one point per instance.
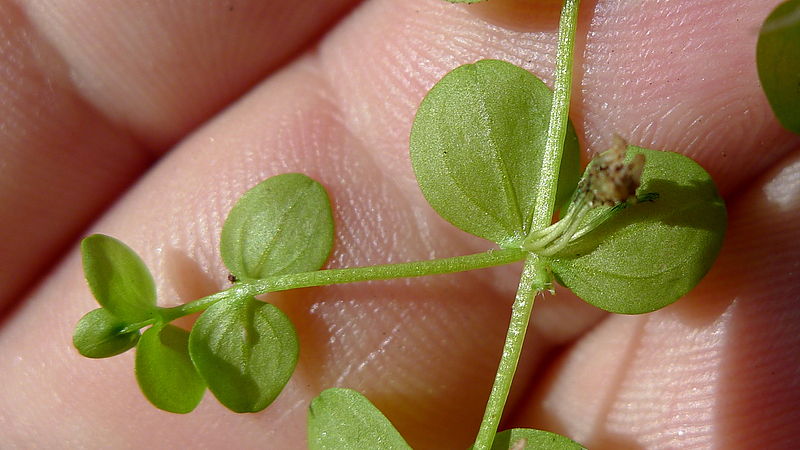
[(351, 275)]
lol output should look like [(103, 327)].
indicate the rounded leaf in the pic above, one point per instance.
[(118, 278), (282, 225), (246, 351), (778, 60), (477, 145), (530, 439), (98, 335), (165, 372), (648, 255), (342, 419)]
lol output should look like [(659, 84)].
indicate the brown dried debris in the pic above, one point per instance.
[(610, 179)]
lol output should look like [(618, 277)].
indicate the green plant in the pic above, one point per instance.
[(494, 154), (778, 59)]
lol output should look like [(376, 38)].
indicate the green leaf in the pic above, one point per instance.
[(246, 350), (527, 438), (648, 255), (98, 335), (341, 419), (164, 371), (282, 225), (119, 280), (477, 145), (778, 58)]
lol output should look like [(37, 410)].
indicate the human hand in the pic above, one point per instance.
[(90, 110)]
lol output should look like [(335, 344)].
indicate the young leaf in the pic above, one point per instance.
[(118, 279), (342, 419), (164, 371), (648, 255), (477, 145), (530, 439), (282, 225), (778, 58), (97, 335), (246, 351)]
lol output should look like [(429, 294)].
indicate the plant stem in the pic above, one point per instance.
[(534, 279), (559, 116), (351, 275)]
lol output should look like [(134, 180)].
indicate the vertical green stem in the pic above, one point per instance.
[(534, 278), (559, 116)]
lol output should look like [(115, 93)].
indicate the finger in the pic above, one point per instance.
[(160, 69), (342, 116), (666, 77), (92, 93), (712, 371)]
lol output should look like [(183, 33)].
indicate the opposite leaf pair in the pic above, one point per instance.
[(244, 350), (477, 147), (124, 288)]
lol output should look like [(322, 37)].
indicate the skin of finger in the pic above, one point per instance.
[(161, 68), (637, 63), (92, 92), (59, 162), (302, 121), (716, 370)]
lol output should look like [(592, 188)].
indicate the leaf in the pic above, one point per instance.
[(650, 254), (527, 438), (341, 419), (98, 335), (778, 59), (246, 351), (477, 145), (164, 371), (282, 225), (118, 279)]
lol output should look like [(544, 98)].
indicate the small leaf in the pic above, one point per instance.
[(341, 419), (530, 439), (477, 145), (164, 371), (778, 58), (246, 350), (98, 335), (119, 280), (282, 225), (650, 254)]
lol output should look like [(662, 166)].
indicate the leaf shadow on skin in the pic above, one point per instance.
[(702, 306), (519, 15), (670, 208), (187, 280)]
